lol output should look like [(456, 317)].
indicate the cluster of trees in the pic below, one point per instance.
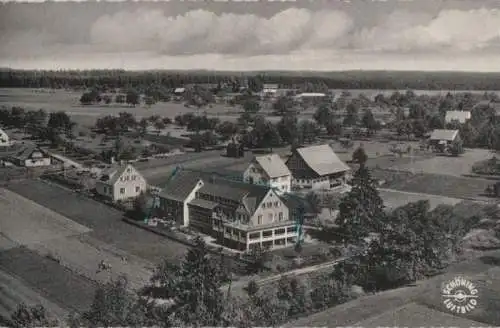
[(40, 124), (309, 82), (131, 97), (401, 246), (126, 122)]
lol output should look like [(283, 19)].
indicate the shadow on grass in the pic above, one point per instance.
[(491, 260)]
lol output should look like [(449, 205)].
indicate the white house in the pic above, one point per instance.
[(31, 156), (317, 167), (460, 116), (4, 139), (121, 183), (271, 171), (441, 139)]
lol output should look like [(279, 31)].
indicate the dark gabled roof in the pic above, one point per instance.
[(26, 151), (184, 182), (180, 186), (249, 195), (112, 174), (203, 203)]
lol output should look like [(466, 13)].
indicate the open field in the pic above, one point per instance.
[(395, 198), (443, 185), (427, 293), (53, 281), (446, 165), (90, 253), (27, 223), (13, 292), (413, 314), (106, 223), (69, 101)]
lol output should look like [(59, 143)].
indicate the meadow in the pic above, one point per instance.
[(69, 101)]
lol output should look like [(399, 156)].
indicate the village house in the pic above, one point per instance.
[(317, 167), (457, 116), (239, 215), (30, 156), (120, 182), (269, 90), (4, 139), (179, 93), (271, 171), (441, 139)]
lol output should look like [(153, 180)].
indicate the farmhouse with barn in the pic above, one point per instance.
[(30, 155), (317, 167)]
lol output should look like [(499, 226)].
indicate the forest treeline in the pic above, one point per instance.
[(383, 80)]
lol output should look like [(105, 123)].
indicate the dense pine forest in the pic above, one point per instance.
[(333, 80)]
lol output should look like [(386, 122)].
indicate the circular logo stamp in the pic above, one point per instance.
[(460, 295)]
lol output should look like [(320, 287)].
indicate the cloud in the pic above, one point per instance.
[(201, 31), (294, 37), (455, 30)]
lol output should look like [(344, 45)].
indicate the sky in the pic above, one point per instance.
[(316, 35)]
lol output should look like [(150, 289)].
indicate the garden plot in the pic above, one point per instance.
[(90, 253), (27, 223), (447, 165)]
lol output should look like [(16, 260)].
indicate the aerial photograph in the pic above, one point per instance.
[(328, 163)]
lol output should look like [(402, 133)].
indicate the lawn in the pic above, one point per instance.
[(434, 184), (69, 101), (447, 165), (393, 199), (106, 222)]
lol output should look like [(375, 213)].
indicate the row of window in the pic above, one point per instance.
[(270, 204), (269, 233), (313, 180), (271, 217), (128, 178), (216, 199), (137, 190)]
